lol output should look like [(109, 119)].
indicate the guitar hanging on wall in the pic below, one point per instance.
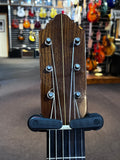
[(63, 91)]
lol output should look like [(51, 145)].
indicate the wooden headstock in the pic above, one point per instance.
[(55, 68)]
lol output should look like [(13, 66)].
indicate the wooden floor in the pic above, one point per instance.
[(92, 79)]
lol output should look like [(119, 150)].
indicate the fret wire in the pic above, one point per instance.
[(80, 157), (56, 82)]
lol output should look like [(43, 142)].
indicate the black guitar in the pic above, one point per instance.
[(63, 91)]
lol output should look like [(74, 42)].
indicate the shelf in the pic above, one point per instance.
[(92, 79)]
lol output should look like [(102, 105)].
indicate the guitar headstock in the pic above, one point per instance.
[(62, 70)]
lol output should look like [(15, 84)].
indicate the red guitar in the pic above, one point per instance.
[(93, 14), (31, 12), (98, 49)]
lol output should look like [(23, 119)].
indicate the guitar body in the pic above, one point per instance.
[(109, 47), (103, 7), (21, 36), (26, 23), (89, 65), (98, 53), (15, 23), (32, 37), (31, 12), (92, 13)]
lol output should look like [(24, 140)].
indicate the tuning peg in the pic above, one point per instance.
[(48, 41), (77, 95), (77, 67), (77, 41), (49, 69), (50, 95)]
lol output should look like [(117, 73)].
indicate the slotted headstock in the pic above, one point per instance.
[(57, 44)]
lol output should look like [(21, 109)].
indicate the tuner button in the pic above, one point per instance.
[(50, 95), (48, 42), (77, 95), (77, 67), (49, 68), (77, 41)]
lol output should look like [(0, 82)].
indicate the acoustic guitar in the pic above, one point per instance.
[(63, 90)]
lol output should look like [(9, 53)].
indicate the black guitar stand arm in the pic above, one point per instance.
[(92, 121)]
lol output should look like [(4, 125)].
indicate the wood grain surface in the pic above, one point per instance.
[(53, 30)]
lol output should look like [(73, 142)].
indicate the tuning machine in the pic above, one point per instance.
[(49, 68), (48, 41), (77, 41), (77, 67), (77, 95), (50, 95)]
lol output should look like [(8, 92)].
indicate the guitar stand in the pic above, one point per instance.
[(92, 121)]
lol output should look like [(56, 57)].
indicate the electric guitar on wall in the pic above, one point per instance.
[(63, 91)]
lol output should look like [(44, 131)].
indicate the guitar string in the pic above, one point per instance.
[(63, 144), (49, 145), (54, 100), (71, 83), (77, 109), (69, 143), (75, 140), (63, 69), (57, 88), (73, 93)]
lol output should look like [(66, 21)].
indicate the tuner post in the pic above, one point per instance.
[(77, 67), (50, 95), (49, 68), (77, 41), (77, 95), (48, 41)]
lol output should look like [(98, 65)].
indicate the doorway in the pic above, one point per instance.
[(3, 36)]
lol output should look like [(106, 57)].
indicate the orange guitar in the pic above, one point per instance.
[(93, 14), (98, 49), (91, 64), (109, 46), (26, 23)]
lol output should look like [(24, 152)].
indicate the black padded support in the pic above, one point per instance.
[(39, 123), (92, 121)]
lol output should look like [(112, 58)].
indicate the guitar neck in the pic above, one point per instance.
[(65, 144)]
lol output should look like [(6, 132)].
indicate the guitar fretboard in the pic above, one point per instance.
[(65, 145)]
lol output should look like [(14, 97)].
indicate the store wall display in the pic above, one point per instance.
[(4, 1)]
